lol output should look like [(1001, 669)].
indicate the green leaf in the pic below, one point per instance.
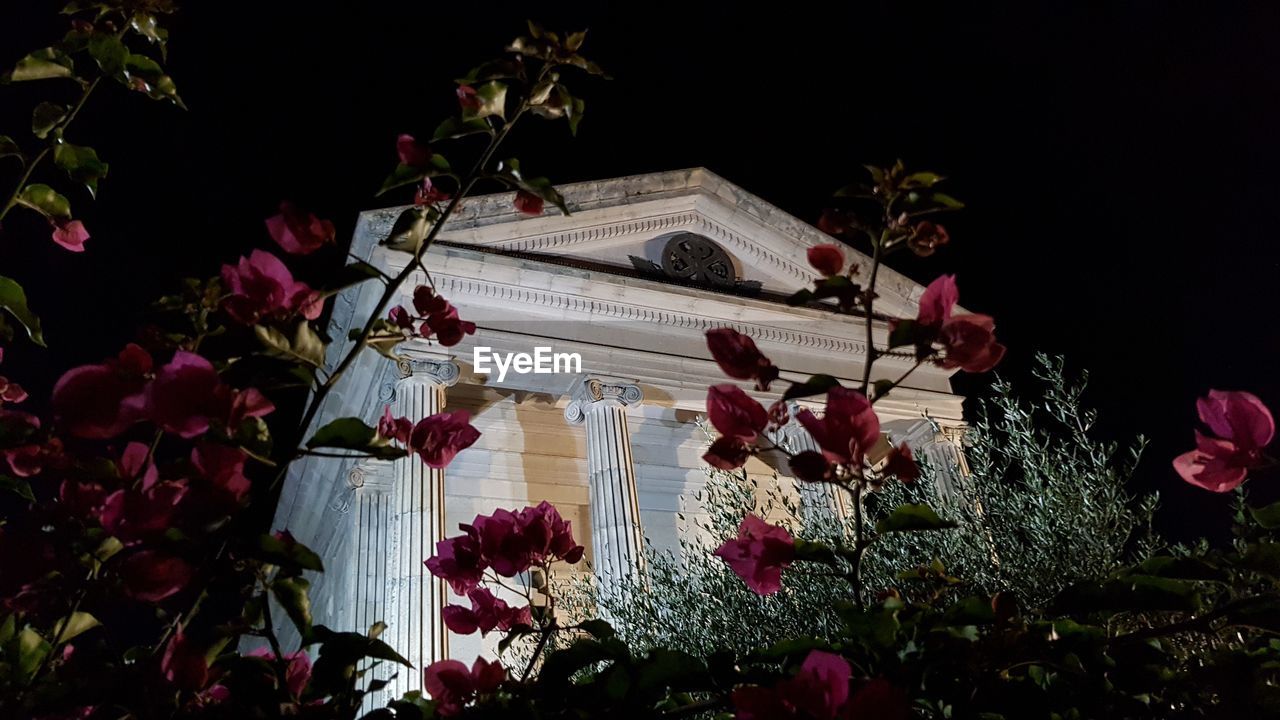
[(41, 65), (946, 201), (598, 629), (145, 24), (815, 385), (46, 201), (921, 179), (409, 175), (351, 433), (46, 117), (815, 552), (347, 276), (350, 646), (293, 594), (81, 164), (145, 75), (455, 128), (800, 297), (9, 148), (904, 332), (109, 52), (75, 624), (493, 102), (14, 300), (970, 611), (31, 651), (1184, 568), (305, 345), (293, 555), (18, 487), (909, 517), (1268, 516)]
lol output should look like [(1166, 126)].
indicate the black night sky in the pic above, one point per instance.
[(1118, 162)]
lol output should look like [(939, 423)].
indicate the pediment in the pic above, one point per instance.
[(630, 224)]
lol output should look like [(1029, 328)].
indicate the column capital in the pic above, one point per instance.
[(592, 392), (437, 370)]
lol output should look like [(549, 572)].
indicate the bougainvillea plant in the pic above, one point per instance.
[(137, 556)]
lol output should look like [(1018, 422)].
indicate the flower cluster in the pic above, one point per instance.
[(506, 542), (738, 357), (185, 397), (260, 287), (298, 232), (1242, 426), (435, 317), (759, 554), (487, 613), (437, 439), (452, 685), (969, 340), (820, 690)]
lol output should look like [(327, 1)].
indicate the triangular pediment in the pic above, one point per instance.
[(721, 233)]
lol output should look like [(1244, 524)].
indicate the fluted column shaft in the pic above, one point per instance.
[(415, 625), (617, 541)]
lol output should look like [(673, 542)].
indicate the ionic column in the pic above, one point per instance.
[(415, 627), (617, 543)]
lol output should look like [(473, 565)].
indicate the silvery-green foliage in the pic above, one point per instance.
[(691, 601), (1043, 505)]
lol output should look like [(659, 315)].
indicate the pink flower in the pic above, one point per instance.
[(183, 397), (260, 286), (826, 259), (734, 413), (90, 401), (394, 428), (70, 234), (848, 428), (222, 467), (738, 357), (548, 535), (759, 554), (487, 613), (926, 238), (135, 513), (458, 561), (152, 576), (11, 391), (878, 698), (449, 329), (427, 302), (451, 685), (969, 340), (810, 466), (971, 343), (937, 301), (440, 437), (902, 465), (502, 544), (727, 453), (400, 318), (528, 203), (412, 153), (298, 232), (183, 663), (1242, 426), (467, 98), (297, 671), (427, 194), (818, 691)]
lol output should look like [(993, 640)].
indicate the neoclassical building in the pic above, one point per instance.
[(629, 282)]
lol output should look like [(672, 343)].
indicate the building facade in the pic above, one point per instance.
[(627, 284)]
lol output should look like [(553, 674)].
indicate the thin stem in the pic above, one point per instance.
[(31, 167), (537, 650), (897, 382), (400, 279), (858, 545), (868, 306)]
